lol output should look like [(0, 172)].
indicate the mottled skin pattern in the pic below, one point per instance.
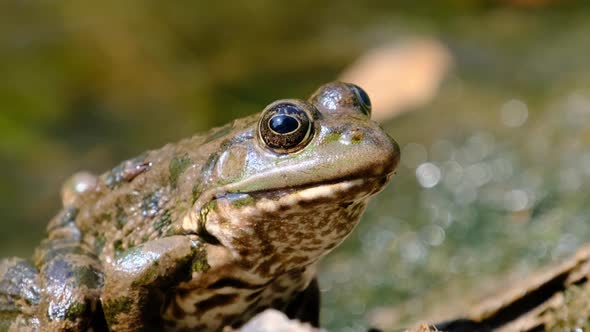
[(206, 232)]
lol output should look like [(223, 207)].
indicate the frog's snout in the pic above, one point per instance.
[(363, 151), (396, 154), (375, 147), (388, 154)]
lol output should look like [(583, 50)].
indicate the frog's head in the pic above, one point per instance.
[(292, 184)]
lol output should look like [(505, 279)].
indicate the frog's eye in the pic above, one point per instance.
[(285, 127), (363, 98)]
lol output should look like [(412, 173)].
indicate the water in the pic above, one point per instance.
[(493, 174)]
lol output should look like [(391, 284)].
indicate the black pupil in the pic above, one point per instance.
[(283, 124), (364, 96)]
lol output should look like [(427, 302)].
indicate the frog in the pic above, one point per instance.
[(205, 233)]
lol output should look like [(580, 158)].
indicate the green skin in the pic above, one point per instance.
[(205, 232)]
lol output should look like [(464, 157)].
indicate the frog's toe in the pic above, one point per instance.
[(19, 280), (19, 293), (71, 289), (77, 185)]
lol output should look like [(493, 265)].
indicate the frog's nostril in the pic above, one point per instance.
[(356, 135), (352, 136)]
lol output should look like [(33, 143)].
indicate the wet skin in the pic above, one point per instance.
[(209, 231)]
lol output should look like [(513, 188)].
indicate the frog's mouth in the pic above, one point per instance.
[(340, 192), (325, 189), (343, 191)]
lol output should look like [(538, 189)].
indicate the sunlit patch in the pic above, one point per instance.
[(190, 221), (514, 113), (428, 175)]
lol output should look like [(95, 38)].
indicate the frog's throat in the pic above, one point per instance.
[(194, 220)]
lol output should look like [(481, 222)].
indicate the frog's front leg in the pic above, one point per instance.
[(70, 276), (136, 282)]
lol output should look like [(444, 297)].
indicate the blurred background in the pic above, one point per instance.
[(495, 157)]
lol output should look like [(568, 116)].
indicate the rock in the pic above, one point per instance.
[(274, 321), (555, 299)]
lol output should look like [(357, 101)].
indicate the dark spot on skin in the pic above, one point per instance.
[(200, 264), (75, 311), (301, 259), (287, 251), (7, 316), (346, 204), (357, 137), (254, 296), (247, 264), (267, 250), (87, 276), (199, 259), (115, 307), (215, 301), (121, 216), (150, 205), (234, 283), (330, 246), (278, 288), (326, 232), (245, 251), (308, 249), (177, 166), (317, 242), (300, 235), (296, 273), (164, 221), (118, 246), (226, 144), (264, 267), (332, 137), (99, 242), (104, 218), (127, 171)]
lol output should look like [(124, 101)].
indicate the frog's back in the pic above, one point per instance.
[(144, 198)]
